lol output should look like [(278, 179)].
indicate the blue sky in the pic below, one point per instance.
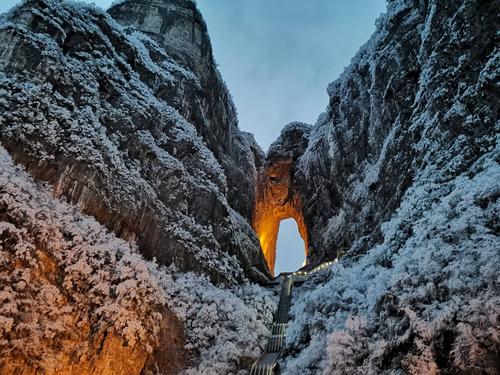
[(277, 58)]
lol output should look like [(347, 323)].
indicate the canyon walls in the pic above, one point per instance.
[(137, 129), (402, 175)]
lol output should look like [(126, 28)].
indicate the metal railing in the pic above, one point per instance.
[(266, 364)]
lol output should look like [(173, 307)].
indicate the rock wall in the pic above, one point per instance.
[(178, 27), (402, 174), (137, 129), (422, 93)]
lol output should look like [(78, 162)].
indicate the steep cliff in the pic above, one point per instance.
[(421, 95), (136, 128), (75, 299), (401, 174)]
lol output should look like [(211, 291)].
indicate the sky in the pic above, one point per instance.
[(277, 58)]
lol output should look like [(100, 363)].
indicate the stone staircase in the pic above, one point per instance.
[(266, 364)]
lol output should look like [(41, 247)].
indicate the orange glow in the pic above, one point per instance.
[(275, 202)]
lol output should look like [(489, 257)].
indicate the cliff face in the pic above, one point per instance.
[(75, 299), (402, 174), (138, 131), (178, 27), (421, 95)]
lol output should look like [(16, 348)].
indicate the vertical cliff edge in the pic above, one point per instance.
[(401, 174), (133, 123)]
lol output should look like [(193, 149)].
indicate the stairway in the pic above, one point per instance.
[(266, 363)]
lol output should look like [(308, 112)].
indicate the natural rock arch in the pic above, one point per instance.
[(277, 199)]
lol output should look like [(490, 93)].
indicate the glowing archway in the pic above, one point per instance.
[(275, 202)]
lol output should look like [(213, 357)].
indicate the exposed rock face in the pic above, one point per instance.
[(277, 195), (402, 172), (180, 30), (74, 299), (141, 133), (423, 93)]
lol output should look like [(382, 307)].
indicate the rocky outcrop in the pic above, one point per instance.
[(178, 27), (402, 174), (136, 128), (277, 196), (422, 93)]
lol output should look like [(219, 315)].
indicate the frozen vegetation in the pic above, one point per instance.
[(402, 174), (424, 299), (64, 276)]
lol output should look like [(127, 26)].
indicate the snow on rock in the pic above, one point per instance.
[(423, 91), (426, 298), (402, 175), (136, 135), (75, 298)]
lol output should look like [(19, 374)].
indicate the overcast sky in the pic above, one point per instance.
[(277, 57)]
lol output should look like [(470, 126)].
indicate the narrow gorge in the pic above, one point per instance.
[(139, 222)]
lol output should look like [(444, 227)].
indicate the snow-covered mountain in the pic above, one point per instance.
[(401, 174), (75, 299), (119, 145), (136, 128)]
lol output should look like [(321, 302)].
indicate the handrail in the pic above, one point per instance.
[(266, 363)]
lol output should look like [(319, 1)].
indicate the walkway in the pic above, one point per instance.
[(266, 364)]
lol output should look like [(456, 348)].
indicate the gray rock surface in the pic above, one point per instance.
[(402, 174), (137, 129), (422, 92), (278, 196)]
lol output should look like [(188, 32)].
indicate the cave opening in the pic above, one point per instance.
[(290, 248)]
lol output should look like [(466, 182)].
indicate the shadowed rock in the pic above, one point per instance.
[(141, 133)]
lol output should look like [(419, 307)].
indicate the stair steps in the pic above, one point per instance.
[(266, 364)]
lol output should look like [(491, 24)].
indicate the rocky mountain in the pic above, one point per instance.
[(422, 92), (132, 122), (401, 174)]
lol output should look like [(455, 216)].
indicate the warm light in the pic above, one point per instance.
[(275, 202)]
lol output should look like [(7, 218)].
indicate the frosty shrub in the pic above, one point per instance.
[(64, 276), (226, 328)]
